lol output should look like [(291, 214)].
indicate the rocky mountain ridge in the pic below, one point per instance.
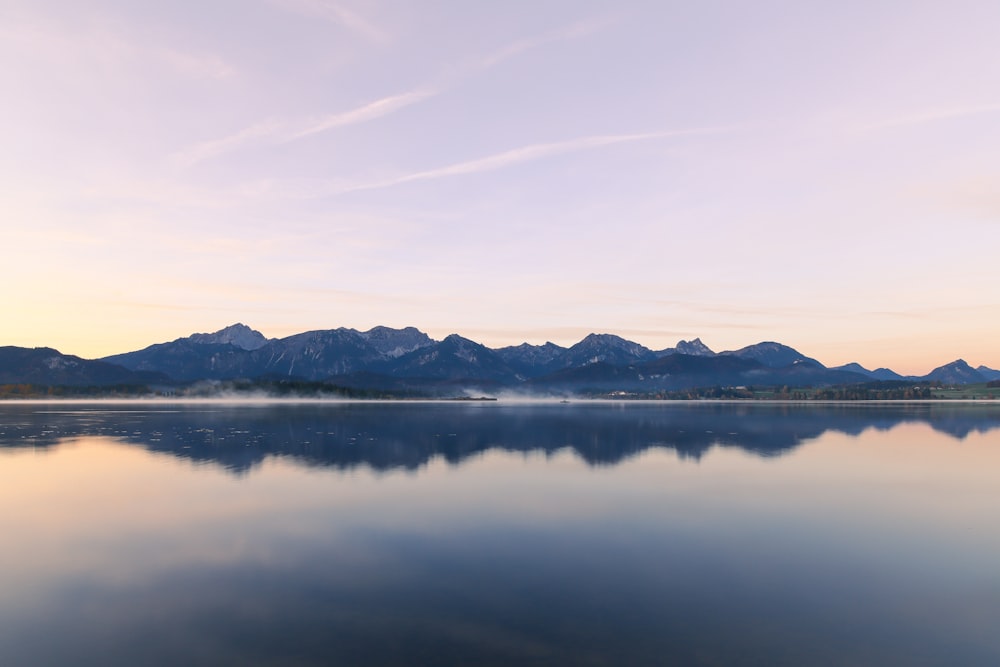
[(407, 358)]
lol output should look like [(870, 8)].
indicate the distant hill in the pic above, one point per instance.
[(877, 374), (45, 366), (774, 355), (988, 373), (185, 361), (888, 374)]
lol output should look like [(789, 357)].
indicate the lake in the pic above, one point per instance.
[(499, 534)]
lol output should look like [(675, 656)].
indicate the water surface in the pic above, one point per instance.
[(497, 534)]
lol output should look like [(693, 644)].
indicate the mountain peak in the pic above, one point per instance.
[(596, 338), (957, 372), (455, 358), (694, 347), (607, 348), (608, 340), (239, 335), (531, 360), (394, 343)]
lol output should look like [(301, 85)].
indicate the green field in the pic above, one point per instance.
[(969, 392)]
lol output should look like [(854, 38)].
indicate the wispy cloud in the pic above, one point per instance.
[(573, 31), (336, 13), (110, 45), (934, 313), (934, 115), (524, 154), (364, 113), (278, 132), (215, 147), (289, 130), (200, 65)]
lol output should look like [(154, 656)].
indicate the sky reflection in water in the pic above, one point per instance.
[(495, 534)]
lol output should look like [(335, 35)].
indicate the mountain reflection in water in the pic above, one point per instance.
[(581, 534), (386, 436)]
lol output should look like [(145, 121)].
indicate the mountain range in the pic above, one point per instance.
[(408, 359)]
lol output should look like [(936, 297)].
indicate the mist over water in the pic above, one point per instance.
[(491, 533)]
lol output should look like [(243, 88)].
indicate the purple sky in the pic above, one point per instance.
[(822, 174)]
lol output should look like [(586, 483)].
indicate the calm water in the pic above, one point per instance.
[(496, 534)]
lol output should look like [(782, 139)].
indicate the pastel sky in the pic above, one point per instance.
[(824, 174)]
